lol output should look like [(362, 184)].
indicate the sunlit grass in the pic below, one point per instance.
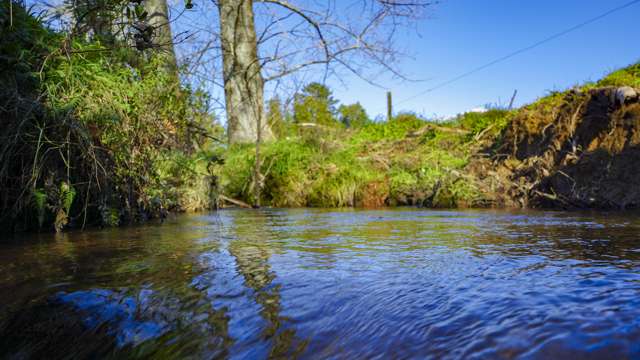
[(408, 160)]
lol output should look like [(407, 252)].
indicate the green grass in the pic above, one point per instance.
[(629, 76), (379, 163), (93, 136)]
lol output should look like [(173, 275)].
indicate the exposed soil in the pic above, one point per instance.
[(375, 195), (580, 149)]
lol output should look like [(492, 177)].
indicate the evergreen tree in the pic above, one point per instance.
[(353, 116), (275, 117), (315, 105)]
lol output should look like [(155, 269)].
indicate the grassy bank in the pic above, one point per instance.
[(518, 158), (405, 161), (104, 135), (575, 149), (93, 135)]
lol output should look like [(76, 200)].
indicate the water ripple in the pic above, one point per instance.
[(308, 283)]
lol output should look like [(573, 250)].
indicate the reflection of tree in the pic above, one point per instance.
[(127, 291), (145, 291), (252, 251)]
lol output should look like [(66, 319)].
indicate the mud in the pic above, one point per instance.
[(580, 149)]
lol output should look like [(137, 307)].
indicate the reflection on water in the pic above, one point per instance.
[(325, 284)]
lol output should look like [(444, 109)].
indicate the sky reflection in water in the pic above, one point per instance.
[(341, 283)]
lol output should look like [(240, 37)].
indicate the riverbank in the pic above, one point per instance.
[(577, 149), (92, 133), (105, 136), (405, 161), (572, 150)]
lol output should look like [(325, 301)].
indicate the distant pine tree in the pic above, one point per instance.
[(275, 117), (315, 105), (353, 116)]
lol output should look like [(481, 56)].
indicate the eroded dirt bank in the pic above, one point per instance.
[(579, 149)]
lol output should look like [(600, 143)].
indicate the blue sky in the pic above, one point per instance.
[(460, 35)]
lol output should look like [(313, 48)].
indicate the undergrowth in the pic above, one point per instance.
[(92, 135), (405, 161)]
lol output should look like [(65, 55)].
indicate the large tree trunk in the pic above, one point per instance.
[(158, 18), (243, 83)]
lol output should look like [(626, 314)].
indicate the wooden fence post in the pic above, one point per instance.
[(389, 106)]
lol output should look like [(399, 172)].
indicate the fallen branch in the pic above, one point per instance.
[(443, 129), (242, 204)]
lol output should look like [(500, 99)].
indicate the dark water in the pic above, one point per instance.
[(329, 284)]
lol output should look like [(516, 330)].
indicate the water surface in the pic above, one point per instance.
[(403, 283)]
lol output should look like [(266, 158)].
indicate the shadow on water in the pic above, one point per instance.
[(121, 291), (400, 283)]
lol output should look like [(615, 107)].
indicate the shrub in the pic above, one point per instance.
[(88, 134)]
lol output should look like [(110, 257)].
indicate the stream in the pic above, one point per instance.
[(325, 284)]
